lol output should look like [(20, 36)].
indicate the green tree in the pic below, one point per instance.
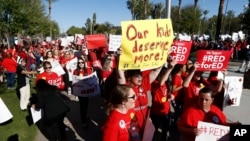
[(157, 11), (245, 19), (131, 5), (75, 30)]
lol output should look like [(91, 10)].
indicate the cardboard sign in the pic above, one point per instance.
[(233, 90), (114, 42), (145, 47), (212, 132), (96, 41), (86, 86), (5, 112), (212, 60), (180, 51)]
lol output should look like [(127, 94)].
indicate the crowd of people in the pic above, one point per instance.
[(174, 96)]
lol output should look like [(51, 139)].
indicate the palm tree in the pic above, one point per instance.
[(131, 5), (195, 6), (219, 19), (50, 6)]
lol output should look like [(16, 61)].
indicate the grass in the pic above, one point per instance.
[(17, 129)]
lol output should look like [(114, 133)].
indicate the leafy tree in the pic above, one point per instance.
[(131, 5), (157, 11), (75, 30), (245, 19)]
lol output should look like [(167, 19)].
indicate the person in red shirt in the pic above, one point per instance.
[(161, 97), (202, 110), (141, 83), (192, 85), (121, 123), (51, 77), (82, 70), (9, 65)]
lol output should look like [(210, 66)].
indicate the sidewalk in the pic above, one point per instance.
[(75, 130)]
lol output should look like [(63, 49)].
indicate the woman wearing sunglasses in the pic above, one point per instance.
[(51, 77), (121, 123), (82, 70)]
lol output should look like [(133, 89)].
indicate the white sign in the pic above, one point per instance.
[(71, 66), (5, 112), (233, 90), (86, 86), (114, 42), (212, 132), (56, 67), (36, 115)]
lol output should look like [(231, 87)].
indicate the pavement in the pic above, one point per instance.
[(97, 114)]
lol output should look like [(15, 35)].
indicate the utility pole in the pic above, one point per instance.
[(168, 8)]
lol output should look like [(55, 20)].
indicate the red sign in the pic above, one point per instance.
[(180, 51), (212, 60), (96, 41)]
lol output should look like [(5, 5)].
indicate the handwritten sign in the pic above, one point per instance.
[(180, 51), (96, 41), (86, 86), (145, 47), (212, 132), (212, 60), (114, 42), (233, 90)]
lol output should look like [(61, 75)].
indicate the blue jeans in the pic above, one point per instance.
[(10, 79)]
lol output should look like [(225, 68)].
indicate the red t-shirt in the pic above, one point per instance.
[(105, 74), (177, 81), (160, 104), (52, 78), (10, 65), (116, 127), (192, 115), (141, 101), (86, 72)]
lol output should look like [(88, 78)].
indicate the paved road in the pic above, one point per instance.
[(97, 114)]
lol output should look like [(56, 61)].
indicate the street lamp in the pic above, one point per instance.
[(168, 8)]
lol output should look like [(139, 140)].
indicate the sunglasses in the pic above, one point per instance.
[(132, 97), (48, 67), (80, 62)]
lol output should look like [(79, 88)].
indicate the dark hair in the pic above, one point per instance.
[(46, 63), (130, 73), (206, 90), (119, 94)]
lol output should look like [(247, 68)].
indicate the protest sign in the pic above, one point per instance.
[(212, 132), (114, 42), (212, 60), (71, 66), (96, 41), (233, 90), (145, 47), (5, 112), (180, 51), (86, 86), (36, 115), (148, 130)]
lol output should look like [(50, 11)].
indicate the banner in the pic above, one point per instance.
[(212, 60), (233, 90), (145, 47), (5, 112), (212, 132), (114, 42), (96, 41), (86, 86), (180, 51)]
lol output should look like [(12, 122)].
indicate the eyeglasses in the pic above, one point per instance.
[(132, 97), (48, 67)]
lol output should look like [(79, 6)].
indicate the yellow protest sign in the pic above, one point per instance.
[(145, 43)]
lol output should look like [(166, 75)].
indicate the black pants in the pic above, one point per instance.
[(160, 122), (53, 130), (84, 103)]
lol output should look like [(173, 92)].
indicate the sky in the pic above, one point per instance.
[(69, 13)]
